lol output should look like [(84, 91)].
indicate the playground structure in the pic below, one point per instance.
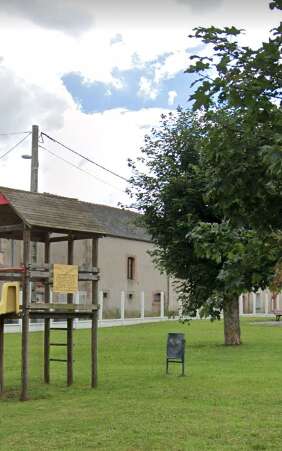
[(48, 219)]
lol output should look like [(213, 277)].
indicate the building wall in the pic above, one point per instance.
[(114, 254), (113, 259)]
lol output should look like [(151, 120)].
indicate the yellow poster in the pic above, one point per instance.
[(65, 278)]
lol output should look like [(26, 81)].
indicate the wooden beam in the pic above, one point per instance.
[(94, 320), (25, 315), (62, 307), (75, 236), (11, 228), (35, 314), (2, 323), (57, 239), (12, 269), (47, 320), (48, 267), (70, 321)]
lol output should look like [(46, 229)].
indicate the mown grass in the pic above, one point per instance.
[(231, 398)]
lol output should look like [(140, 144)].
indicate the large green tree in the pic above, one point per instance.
[(207, 181)]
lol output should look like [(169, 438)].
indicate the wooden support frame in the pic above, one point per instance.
[(31, 218), (25, 315), (94, 321), (48, 310), (2, 324), (70, 321), (47, 320)]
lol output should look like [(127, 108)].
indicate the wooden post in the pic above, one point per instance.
[(94, 321), (25, 314), (47, 320), (70, 322), (2, 323)]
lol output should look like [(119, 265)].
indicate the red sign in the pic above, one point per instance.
[(3, 200)]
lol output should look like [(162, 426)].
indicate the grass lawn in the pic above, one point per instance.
[(231, 398)]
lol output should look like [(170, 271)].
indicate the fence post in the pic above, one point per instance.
[(100, 302), (278, 301), (162, 304), (254, 295), (122, 305), (142, 305), (241, 311), (76, 301), (180, 309), (265, 296)]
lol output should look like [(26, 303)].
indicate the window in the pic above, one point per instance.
[(157, 298), (130, 296), (130, 268), (105, 295)]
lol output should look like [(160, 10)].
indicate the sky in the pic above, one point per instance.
[(97, 76)]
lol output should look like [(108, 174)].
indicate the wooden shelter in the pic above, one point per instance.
[(49, 219)]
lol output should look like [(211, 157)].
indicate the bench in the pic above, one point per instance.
[(278, 314)]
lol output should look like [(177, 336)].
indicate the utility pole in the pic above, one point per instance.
[(33, 186), (34, 159), (34, 181)]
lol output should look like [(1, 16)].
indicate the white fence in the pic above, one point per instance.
[(15, 325), (263, 302)]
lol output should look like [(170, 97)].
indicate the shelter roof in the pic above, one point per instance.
[(64, 214), (120, 223)]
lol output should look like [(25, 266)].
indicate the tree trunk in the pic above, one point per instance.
[(231, 321)]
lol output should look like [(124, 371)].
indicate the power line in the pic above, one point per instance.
[(13, 133), (80, 169), (85, 158), (15, 145)]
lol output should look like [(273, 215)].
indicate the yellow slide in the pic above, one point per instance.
[(10, 297)]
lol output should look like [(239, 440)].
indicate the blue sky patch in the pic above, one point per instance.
[(137, 90)]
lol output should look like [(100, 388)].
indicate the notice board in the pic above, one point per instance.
[(175, 346), (65, 278)]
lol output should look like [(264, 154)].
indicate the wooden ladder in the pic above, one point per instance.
[(69, 345)]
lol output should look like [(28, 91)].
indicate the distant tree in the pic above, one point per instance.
[(210, 187)]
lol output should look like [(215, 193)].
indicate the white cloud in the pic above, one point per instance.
[(41, 41), (108, 138), (201, 5), (147, 89), (68, 15), (171, 97), (177, 62), (22, 103)]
